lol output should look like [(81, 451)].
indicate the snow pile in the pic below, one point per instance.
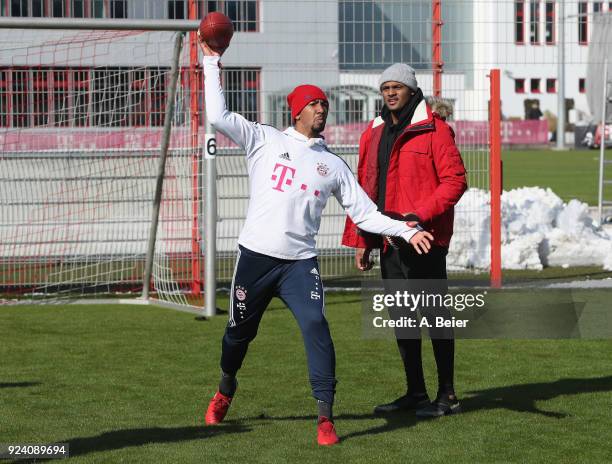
[(538, 229)]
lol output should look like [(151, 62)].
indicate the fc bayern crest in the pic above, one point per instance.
[(241, 293), (322, 169)]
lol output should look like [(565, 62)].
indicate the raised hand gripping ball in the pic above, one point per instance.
[(216, 30)]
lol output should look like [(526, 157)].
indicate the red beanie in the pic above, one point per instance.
[(301, 96)]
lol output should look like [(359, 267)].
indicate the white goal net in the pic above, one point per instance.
[(81, 125)]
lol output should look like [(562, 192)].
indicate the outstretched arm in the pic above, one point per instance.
[(364, 213), (249, 135)]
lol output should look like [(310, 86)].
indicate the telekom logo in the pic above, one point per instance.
[(285, 177)]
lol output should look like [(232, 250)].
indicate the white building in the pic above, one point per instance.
[(343, 45), (520, 37)]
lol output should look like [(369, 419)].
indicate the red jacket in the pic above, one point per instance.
[(426, 176)]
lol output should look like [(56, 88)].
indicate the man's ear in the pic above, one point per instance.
[(297, 117)]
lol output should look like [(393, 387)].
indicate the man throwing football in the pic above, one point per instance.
[(292, 174)]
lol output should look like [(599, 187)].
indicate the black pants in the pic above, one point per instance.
[(405, 269)]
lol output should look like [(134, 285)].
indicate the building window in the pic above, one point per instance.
[(597, 7), (583, 22), (106, 96), (243, 13), (374, 35), (241, 87), (176, 9), (66, 8), (57, 9), (40, 97), (80, 97), (550, 22), (534, 21), (18, 8), (378, 106), (551, 85), (109, 97), (519, 22), (19, 98), (535, 85), (97, 9), (38, 8), (62, 97), (156, 96), (353, 110), (78, 9), (519, 85), (118, 9), (4, 95), (582, 85)]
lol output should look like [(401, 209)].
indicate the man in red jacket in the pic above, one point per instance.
[(410, 166)]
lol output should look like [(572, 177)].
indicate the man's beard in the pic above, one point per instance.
[(319, 127)]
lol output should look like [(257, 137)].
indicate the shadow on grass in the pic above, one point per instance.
[(518, 398), (523, 398), (119, 439), (393, 422), (18, 384)]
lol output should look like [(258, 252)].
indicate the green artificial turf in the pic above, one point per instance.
[(130, 384), (570, 174)]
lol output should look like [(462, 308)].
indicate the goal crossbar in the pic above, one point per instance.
[(172, 25)]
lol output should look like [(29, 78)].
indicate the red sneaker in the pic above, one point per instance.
[(326, 432), (217, 408)]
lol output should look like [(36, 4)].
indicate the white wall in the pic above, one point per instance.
[(537, 61)]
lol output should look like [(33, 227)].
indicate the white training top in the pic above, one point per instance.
[(290, 179)]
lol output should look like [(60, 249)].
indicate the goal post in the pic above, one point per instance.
[(495, 173), (161, 165), (100, 163)]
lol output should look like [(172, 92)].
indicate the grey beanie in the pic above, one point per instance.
[(399, 72)]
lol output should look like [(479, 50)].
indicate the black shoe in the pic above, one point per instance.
[(441, 406), (403, 403)]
